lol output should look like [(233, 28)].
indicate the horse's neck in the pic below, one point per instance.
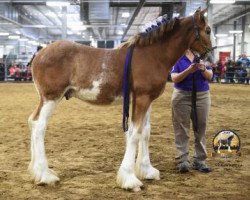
[(175, 46)]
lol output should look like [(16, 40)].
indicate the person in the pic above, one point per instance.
[(230, 71), (182, 75)]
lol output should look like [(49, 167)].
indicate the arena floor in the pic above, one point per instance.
[(85, 145)]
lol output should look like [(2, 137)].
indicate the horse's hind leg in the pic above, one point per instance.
[(144, 169), (38, 123)]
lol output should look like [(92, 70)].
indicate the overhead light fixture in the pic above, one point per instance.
[(4, 34), (57, 3), (78, 28), (236, 31), (222, 1), (120, 32), (69, 32), (221, 35), (23, 39), (14, 37), (33, 43), (5, 23), (125, 14), (9, 46)]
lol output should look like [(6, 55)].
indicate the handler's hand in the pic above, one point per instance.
[(200, 67), (192, 68)]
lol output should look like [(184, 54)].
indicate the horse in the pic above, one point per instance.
[(225, 141), (67, 69)]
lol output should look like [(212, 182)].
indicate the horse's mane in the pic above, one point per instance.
[(155, 35)]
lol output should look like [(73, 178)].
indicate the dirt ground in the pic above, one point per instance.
[(85, 145)]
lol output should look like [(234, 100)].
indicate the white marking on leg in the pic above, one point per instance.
[(31, 126), (126, 175), (42, 174), (144, 169)]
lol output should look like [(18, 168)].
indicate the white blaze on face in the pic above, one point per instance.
[(92, 93)]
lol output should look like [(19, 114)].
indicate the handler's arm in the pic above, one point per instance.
[(178, 77), (206, 73)]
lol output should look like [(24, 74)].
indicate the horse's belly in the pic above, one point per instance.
[(89, 94)]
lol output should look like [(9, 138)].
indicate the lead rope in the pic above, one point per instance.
[(126, 88), (194, 98)]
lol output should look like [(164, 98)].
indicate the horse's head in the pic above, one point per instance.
[(201, 42)]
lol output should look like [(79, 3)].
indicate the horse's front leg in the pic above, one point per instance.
[(229, 148), (144, 169), (219, 147), (126, 177)]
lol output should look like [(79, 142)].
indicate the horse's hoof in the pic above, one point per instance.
[(136, 189), (41, 184)]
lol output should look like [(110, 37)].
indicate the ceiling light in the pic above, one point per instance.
[(33, 43), (78, 28), (125, 14), (74, 23), (4, 34), (5, 23), (221, 35), (9, 46), (236, 31), (222, 1), (23, 39), (14, 37), (57, 3), (40, 26), (120, 32), (69, 32)]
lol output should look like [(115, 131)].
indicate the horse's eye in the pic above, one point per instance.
[(208, 31)]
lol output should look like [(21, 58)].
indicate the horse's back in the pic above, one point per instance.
[(67, 65)]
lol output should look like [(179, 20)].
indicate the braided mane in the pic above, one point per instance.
[(155, 35)]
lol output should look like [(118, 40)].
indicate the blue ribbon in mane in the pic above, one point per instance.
[(126, 88)]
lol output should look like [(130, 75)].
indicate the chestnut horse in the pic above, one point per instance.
[(67, 69)]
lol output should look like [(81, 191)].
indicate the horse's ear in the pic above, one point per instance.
[(203, 11), (198, 10), (199, 17)]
